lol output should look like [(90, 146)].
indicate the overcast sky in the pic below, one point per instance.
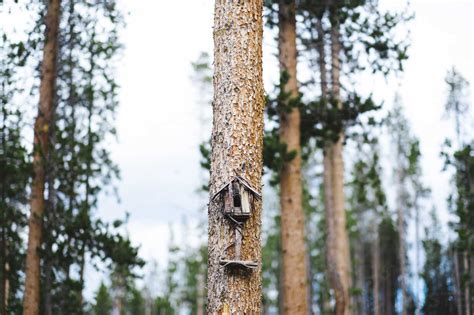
[(158, 126)]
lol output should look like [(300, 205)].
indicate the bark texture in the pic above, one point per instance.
[(43, 121), (237, 143), (295, 288)]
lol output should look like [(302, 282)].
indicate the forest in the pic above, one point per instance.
[(305, 183)]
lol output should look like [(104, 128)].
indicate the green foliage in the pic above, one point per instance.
[(457, 105), (15, 170), (271, 264), (103, 301), (135, 303), (205, 149), (437, 274), (325, 121), (275, 152)]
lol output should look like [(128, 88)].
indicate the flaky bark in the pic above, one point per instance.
[(31, 301), (237, 142), (292, 218)]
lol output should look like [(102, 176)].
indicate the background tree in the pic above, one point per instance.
[(459, 157), (41, 148), (15, 175), (294, 269)]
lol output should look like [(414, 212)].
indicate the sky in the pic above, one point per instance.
[(159, 130)]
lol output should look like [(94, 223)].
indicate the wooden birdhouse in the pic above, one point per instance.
[(238, 202), (238, 198)]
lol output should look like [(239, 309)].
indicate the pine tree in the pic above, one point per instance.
[(332, 28), (294, 269), (15, 174), (237, 140), (461, 201), (103, 301), (42, 128), (440, 298)]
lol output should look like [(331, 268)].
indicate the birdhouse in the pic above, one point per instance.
[(238, 199)]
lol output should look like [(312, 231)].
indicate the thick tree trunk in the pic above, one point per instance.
[(237, 142), (376, 275), (340, 239), (31, 301), (294, 269)]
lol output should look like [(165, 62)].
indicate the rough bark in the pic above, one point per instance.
[(237, 142), (376, 275), (294, 269), (340, 239), (43, 121)]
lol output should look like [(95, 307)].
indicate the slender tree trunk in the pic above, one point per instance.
[(376, 275), (401, 236), (457, 282), (341, 239), (294, 269), (237, 142), (31, 301), (331, 181), (200, 294), (467, 294), (333, 276), (3, 225), (417, 260), (361, 279)]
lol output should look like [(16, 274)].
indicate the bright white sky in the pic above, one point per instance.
[(158, 126)]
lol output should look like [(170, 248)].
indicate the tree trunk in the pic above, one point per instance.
[(237, 142), (467, 294), (376, 275), (401, 236), (327, 174), (200, 294), (457, 282), (294, 269), (31, 301), (340, 238), (332, 181), (360, 278)]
